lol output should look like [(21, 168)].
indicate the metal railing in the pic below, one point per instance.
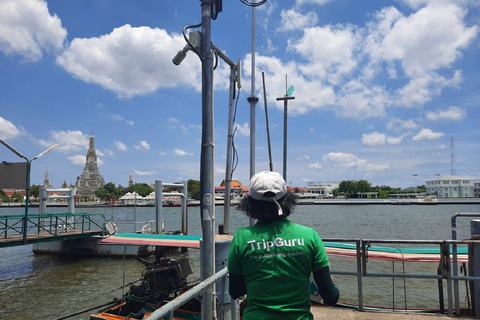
[(49, 224), (445, 273)]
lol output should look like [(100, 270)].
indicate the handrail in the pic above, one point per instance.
[(167, 310), (361, 248), (52, 224)]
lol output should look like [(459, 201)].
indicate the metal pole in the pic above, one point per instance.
[(266, 119), (27, 191), (253, 101), (285, 99), (228, 173), (184, 208), (158, 206), (285, 113), (207, 160)]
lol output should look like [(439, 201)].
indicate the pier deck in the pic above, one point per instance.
[(17, 239), (21, 229), (329, 313)]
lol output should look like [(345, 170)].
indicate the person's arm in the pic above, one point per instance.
[(236, 286), (327, 289)]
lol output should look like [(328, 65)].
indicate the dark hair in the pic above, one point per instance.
[(267, 210)]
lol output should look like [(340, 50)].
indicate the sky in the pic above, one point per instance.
[(386, 91)]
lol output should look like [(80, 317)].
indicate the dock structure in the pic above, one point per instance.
[(49, 227)]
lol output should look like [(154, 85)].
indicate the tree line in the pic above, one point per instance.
[(351, 189), (347, 188)]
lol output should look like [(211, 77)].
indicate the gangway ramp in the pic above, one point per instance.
[(49, 227)]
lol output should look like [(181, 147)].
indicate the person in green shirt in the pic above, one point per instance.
[(271, 261)]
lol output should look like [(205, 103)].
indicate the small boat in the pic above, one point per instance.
[(162, 281)]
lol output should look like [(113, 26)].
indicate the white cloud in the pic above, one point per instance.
[(315, 165), (243, 129), (303, 157), (396, 140), (67, 141), (293, 20), (109, 152), (142, 145), (420, 45), (131, 61), (329, 51), (399, 124), (319, 2), (347, 161), (80, 160), (182, 153), (357, 100), (145, 173), (171, 119), (117, 117), (8, 130), (428, 39), (452, 113), (427, 134), (373, 139), (120, 145), (28, 29)]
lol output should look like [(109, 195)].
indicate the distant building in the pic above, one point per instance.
[(91, 179), (451, 187), (130, 180), (322, 190), (237, 190), (476, 188)]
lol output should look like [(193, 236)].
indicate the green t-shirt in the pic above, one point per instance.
[(276, 260)]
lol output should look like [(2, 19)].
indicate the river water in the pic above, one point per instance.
[(48, 287)]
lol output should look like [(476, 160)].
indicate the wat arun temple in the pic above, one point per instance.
[(91, 179)]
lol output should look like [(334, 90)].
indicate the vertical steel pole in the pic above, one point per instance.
[(207, 161), (158, 207), (228, 169), (253, 101), (184, 208), (27, 191), (285, 115)]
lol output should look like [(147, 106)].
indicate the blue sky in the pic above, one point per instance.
[(381, 88)]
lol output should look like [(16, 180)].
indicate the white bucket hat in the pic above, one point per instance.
[(268, 186)]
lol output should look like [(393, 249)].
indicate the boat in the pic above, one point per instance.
[(161, 281)]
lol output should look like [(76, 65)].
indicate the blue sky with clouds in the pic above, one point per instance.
[(381, 88)]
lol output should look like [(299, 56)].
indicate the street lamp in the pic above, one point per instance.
[(27, 189)]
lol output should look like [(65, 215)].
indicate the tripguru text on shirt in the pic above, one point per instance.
[(278, 242)]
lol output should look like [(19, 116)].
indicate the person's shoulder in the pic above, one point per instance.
[(301, 226)]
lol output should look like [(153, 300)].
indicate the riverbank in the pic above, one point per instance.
[(423, 202)]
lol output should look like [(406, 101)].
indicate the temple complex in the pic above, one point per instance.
[(91, 179)]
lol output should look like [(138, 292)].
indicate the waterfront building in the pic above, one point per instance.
[(476, 188), (91, 179), (237, 190), (323, 190), (449, 186)]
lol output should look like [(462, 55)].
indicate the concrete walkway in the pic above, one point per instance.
[(328, 313)]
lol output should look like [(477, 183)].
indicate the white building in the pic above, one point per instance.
[(323, 190), (451, 187)]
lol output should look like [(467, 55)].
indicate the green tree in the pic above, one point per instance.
[(363, 186), (35, 191), (193, 187), (142, 189), (347, 186), (4, 196), (17, 197)]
